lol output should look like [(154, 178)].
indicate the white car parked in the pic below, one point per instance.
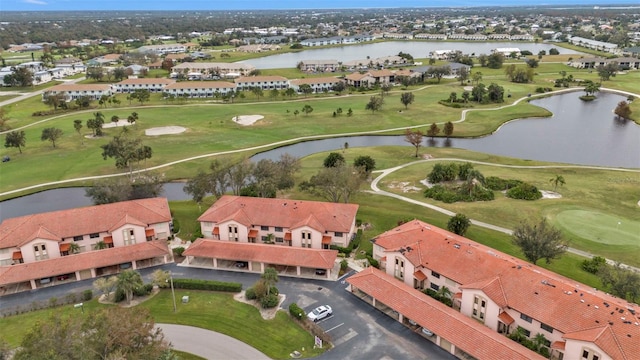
[(320, 313)]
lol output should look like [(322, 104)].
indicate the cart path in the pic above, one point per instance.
[(376, 190)]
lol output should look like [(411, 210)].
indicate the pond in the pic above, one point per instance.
[(577, 133), (417, 49)]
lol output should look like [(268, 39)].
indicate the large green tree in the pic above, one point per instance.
[(539, 241), (15, 139), (458, 224), (406, 99), (374, 104), (335, 184), (52, 135), (126, 150), (108, 333)]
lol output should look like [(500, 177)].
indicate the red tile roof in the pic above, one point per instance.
[(326, 239), (57, 225), (465, 333), (253, 233), (17, 255), (65, 247), (265, 253), (77, 262), (506, 318), (286, 213), (562, 303)]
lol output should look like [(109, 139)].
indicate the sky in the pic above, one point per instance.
[(69, 5)]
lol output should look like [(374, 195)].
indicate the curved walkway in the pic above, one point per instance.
[(208, 344), (376, 190)]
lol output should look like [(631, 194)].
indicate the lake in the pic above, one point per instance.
[(417, 49), (577, 133)]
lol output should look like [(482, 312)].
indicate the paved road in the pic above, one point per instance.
[(209, 344), (376, 190), (27, 95)]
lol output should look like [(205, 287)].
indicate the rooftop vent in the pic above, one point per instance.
[(596, 306), (457, 246), (581, 300)]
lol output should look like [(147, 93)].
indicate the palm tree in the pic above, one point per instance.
[(74, 248), (558, 179), (128, 281), (270, 278), (444, 293), (100, 245), (539, 340)]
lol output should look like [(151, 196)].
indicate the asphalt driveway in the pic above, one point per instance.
[(358, 331)]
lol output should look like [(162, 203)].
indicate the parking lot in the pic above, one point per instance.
[(357, 330)]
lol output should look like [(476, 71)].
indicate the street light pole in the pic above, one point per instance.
[(173, 293)]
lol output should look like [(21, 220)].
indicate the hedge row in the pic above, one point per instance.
[(195, 284)]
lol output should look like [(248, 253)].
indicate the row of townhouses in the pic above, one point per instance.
[(493, 294), (207, 89), (496, 292)]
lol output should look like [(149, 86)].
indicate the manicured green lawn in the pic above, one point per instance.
[(587, 191), (219, 312)]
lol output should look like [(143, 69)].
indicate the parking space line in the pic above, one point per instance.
[(335, 327), (350, 335)]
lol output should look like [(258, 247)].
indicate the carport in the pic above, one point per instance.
[(458, 334), (287, 260)]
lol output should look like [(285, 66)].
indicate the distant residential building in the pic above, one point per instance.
[(163, 49), (75, 91), (594, 44), (150, 84), (218, 69), (199, 89), (507, 52), (319, 65), (262, 82), (318, 84)]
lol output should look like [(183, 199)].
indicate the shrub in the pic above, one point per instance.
[(274, 291), (176, 226), (119, 296), (143, 290), (178, 251), (250, 294), (346, 251), (524, 191), (296, 311), (87, 295), (196, 284), (498, 184), (344, 264), (269, 301), (373, 262), (593, 265)]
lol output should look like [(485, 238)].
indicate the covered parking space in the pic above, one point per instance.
[(74, 267), (452, 331), (287, 260)]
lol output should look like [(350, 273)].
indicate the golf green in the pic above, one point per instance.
[(599, 227)]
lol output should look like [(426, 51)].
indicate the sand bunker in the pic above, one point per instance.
[(550, 194), (121, 122), (165, 130), (247, 120)]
